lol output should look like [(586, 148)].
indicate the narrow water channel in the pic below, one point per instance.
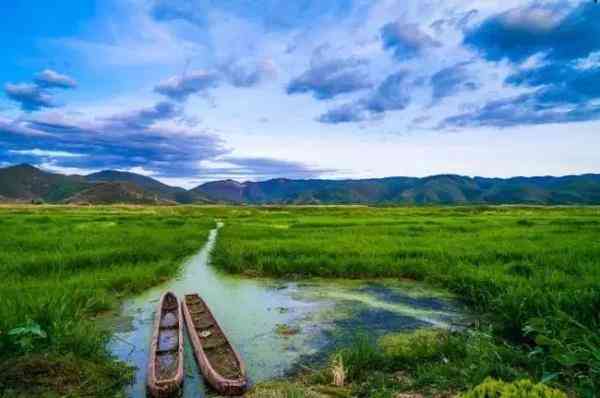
[(276, 325)]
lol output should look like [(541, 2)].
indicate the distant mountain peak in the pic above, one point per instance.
[(25, 183), (115, 192), (227, 182), (435, 189), (149, 184), (25, 166), (108, 171)]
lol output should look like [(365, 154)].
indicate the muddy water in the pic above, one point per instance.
[(278, 325)]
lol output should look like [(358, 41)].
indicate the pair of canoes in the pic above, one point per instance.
[(218, 361)]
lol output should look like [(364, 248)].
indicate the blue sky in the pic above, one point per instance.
[(195, 90)]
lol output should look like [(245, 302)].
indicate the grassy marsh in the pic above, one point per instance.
[(532, 274), (61, 266)]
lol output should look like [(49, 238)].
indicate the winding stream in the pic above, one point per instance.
[(277, 325)]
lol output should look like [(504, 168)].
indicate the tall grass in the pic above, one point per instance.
[(60, 266), (533, 274)]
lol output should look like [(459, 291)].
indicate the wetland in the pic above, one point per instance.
[(381, 292)]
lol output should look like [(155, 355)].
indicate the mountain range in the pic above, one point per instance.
[(26, 183)]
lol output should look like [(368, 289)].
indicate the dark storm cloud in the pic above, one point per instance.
[(406, 40), (51, 79), (328, 77), (564, 86)]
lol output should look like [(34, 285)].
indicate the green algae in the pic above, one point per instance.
[(275, 324)]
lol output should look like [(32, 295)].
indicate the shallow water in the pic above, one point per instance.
[(278, 325)]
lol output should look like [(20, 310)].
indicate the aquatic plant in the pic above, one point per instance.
[(338, 372), (491, 388), (283, 389), (361, 357), (26, 335)]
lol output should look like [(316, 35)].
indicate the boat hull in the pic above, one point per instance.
[(201, 329), (165, 366)]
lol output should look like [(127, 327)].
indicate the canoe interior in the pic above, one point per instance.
[(167, 349), (215, 345)]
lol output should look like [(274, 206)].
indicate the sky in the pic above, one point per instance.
[(189, 91)]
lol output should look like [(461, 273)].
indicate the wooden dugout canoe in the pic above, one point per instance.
[(165, 367), (219, 362)]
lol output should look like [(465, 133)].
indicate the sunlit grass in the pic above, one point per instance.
[(532, 274), (61, 266)]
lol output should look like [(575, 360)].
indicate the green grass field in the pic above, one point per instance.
[(61, 266), (531, 275)]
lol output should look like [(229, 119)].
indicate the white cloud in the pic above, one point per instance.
[(535, 18), (215, 164), (132, 52), (55, 168), (141, 170), (45, 153), (52, 79)]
